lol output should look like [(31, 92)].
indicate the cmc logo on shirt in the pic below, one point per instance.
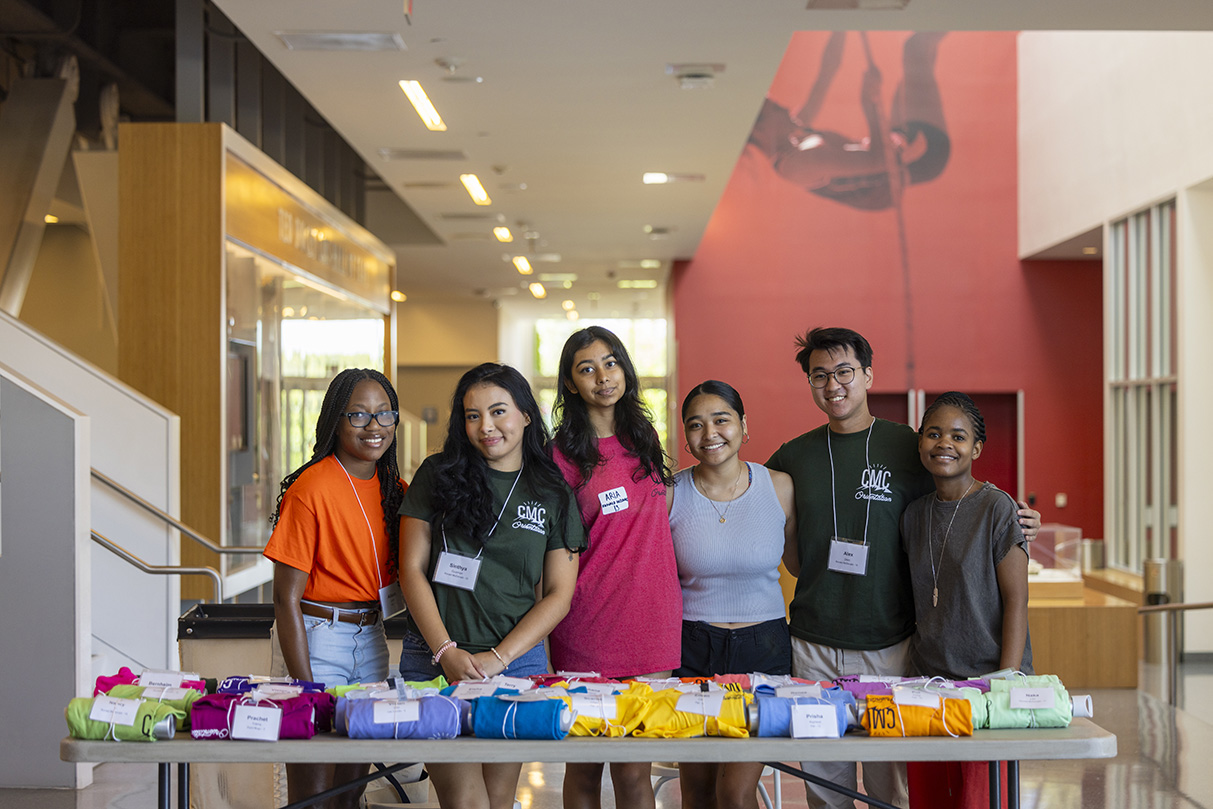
[(531, 517), (875, 484)]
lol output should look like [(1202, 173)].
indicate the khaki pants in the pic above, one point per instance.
[(884, 780)]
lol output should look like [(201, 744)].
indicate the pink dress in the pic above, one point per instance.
[(626, 615)]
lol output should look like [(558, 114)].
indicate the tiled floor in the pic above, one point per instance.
[(1164, 761)]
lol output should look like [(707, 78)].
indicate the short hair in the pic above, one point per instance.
[(830, 340), (714, 387), (964, 404)]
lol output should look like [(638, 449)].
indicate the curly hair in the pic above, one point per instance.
[(462, 498), (633, 421), (391, 490)]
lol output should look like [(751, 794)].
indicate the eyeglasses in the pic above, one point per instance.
[(843, 376), (386, 418)]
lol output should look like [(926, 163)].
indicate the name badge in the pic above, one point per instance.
[(257, 723), (814, 722), (454, 570), (613, 500), (1033, 698), (384, 713), (391, 600), (114, 710), (848, 557)]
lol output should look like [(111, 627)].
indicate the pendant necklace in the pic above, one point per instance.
[(732, 492), (931, 542)]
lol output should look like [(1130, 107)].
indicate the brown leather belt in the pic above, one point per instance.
[(346, 616)]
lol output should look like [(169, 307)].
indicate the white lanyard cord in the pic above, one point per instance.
[(374, 547), (833, 491), (496, 522)]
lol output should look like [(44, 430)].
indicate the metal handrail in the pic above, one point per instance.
[(161, 570), (168, 518), (1171, 627)]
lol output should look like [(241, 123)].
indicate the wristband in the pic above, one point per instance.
[(448, 644)]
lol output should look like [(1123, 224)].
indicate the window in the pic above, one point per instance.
[(1142, 384), (646, 341)]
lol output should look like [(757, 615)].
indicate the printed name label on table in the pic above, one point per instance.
[(814, 722), (916, 696), (258, 723), (1033, 698), (385, 712), (798, 690), (164, 679), (114, 710), (708, 704)]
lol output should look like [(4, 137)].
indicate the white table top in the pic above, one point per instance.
[(1083, 739)]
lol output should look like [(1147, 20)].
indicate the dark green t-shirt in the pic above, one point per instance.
[(840, 609), (511, 563)]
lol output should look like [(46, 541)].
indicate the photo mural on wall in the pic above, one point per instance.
[(870, 170)]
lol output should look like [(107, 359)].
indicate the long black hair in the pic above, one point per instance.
[(964, 404), (462, 498), (391, 490), (633, 422)]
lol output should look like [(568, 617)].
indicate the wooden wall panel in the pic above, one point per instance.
[(171, 330)]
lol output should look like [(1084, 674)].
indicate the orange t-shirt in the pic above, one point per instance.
[(322, 531)]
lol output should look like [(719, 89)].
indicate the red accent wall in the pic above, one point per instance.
[(776, 260)]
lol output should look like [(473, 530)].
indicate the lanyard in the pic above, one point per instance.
[(833, 492), (496, 522), (371, 531)]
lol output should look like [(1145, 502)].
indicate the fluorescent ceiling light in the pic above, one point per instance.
[(341, 40), (523, 265), (558, 277), (393, 153), (475, 190), (421, 103), (503, 234), (537, 290), (636, 284), (661, 177), (650, 264)]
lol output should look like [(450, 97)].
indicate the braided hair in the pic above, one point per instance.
[(633, 421), (965, 405), (391, 491), (462, 498)]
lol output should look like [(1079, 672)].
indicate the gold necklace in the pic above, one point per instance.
[(732, 492), (930, 542)]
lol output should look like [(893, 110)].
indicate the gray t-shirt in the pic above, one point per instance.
[(962, 636)]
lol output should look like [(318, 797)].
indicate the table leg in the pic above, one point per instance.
[(164, 779), (183, 785), (830, 785), (995, 786), (357, 782), (1012, 785)]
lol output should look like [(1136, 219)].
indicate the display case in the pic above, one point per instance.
[(1055, 562)]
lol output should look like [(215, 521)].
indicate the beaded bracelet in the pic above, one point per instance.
[(497, 654), (449, 644)]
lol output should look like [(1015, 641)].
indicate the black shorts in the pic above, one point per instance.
[(709, 650)]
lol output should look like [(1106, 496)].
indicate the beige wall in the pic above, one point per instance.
[(66, 299), (1109, 122), (438, 342)]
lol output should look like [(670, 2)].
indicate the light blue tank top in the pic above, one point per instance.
[(728, 571)]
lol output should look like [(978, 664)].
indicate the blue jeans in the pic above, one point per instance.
[(340, 653), (417, 661)]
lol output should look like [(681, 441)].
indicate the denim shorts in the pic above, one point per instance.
[(708, 650), (417, 661), (340, 653)]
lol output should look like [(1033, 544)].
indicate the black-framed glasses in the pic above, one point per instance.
[(386, 418), (844, 376)]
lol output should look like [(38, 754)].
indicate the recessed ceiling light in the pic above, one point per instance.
[(537, 290), (558, 277), (524, 266), (503, 234), (398, 296), (425, 108), (572, 314), (50, 219), (641, 283), (568, 306), (1090, 251), (341, 40), (662, 177), (475, 190)]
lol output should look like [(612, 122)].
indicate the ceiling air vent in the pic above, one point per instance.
[(341, 40), (468, 217), (695, 75), (422, 154)]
